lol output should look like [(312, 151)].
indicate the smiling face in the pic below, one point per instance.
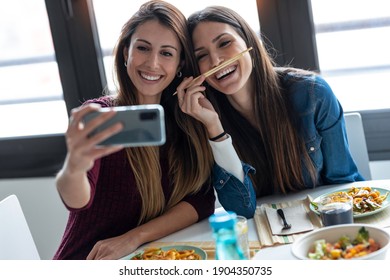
[(153, 59), (215, 43)]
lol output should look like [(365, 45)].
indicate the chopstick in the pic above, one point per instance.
[(219, 67)]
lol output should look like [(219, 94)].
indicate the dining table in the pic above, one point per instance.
[(200, 234)]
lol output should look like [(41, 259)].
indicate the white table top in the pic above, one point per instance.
[(202, 231)]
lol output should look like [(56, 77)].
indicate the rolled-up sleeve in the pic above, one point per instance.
[(233, 194)]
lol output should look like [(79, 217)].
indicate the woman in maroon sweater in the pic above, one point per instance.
[(121, 198)]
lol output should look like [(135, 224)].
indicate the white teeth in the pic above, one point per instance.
[(225, 71), (150, 78)]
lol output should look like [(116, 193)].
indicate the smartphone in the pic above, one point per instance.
[(143, 125)]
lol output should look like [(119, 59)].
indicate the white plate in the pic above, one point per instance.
[(384, 205), (199, 251)]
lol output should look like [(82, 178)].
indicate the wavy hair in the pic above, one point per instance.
[(189, 155), (274, 147)]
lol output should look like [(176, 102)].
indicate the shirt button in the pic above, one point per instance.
[(312, 149), (221, 181)]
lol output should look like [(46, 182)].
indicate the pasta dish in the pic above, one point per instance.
[(366, 199), (171, 254)]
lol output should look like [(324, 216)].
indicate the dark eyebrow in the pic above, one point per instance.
[(169, 46), (163, 46), (213, 41)]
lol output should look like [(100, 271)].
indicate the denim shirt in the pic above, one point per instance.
[(322, 127)]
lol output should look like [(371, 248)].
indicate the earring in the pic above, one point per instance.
[(125, 63), (179, 74), (253, 63)]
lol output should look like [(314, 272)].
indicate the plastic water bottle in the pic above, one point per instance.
[(224, 231)]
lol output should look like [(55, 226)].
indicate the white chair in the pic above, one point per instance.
[(357, 143), (16, 241)]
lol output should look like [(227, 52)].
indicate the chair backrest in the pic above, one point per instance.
[(357, 143), (16, 241)]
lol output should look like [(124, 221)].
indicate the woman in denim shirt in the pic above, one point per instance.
[(285, 123)]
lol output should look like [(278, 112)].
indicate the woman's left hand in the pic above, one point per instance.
[(112, 248)]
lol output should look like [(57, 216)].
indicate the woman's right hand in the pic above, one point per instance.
[(193, 102), (83, 149)]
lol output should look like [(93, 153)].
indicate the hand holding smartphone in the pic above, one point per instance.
[(143, 125)]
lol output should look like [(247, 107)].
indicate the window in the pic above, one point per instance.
[(32, 109), (353, 53), (31, 100), (32, 150), (353, 50)]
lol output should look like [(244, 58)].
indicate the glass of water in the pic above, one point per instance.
[(242, 235)]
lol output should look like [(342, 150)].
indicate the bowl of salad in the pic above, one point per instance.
[(343, 242)]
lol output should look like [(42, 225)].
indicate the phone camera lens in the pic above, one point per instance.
[(148, 115)]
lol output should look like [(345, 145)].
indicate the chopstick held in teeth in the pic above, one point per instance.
[(221, 66)]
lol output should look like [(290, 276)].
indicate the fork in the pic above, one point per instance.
[(281, 214)]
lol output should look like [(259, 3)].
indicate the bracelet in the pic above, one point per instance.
[(218, 136)]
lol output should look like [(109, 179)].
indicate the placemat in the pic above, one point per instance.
[(263, 227), (208, 246)]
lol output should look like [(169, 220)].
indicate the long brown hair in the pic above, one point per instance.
[(189, 155), (274, 147)]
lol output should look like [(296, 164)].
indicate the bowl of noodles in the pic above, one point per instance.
[(343, 242), (175, 252)]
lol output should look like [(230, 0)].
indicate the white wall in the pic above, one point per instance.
[(47, 216), (43, 209)]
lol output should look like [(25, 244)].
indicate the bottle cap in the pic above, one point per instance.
[(223, 220)]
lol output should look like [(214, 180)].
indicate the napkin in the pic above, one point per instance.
[(295, 215), (263, 227)]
